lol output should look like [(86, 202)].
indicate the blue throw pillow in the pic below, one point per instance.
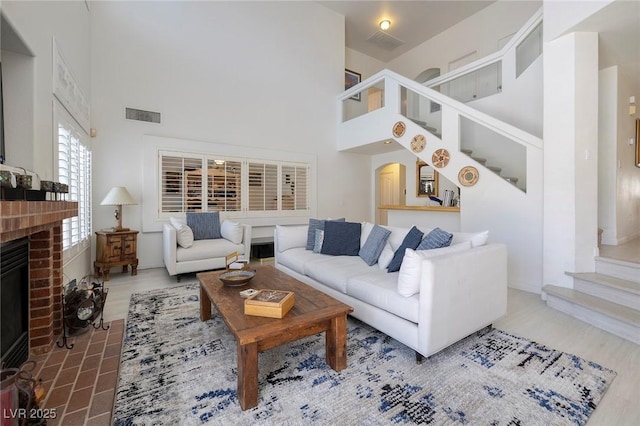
[(311, 232), (205, 226), (437, 238), (341, 238), (374, 245), (411, 240)]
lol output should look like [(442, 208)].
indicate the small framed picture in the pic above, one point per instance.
[(351, 78)]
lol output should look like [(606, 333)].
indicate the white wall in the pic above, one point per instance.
[(570, 156), (29, 116), (363, 64), (607, 155), (261, 75)]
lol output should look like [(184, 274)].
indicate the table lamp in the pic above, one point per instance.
[(118, 196)]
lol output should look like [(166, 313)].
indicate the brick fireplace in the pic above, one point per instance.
[(41, 223)]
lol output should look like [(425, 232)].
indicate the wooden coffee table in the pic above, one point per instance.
[(313, 312)]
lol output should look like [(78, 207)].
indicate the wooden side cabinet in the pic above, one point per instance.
[(116, 249)]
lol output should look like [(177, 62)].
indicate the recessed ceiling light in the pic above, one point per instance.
[(385, 24), (387, 142)]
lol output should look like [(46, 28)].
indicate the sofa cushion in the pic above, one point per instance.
[(184, 234), (291, 236), (334, 271), (231, 231), (477, 239), (379, 289), (436, 238), (311, 230), (397, 235), (376, 240), (411, 269), (412, 240), (296, 258), (208, 249), (341, 238), (385, 257), (205, 225)]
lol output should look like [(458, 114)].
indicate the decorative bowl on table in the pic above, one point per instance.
[(237, 278)]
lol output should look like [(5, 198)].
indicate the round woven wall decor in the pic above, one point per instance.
[(418, 143), (398, 129), (440, 158), (468, 176)]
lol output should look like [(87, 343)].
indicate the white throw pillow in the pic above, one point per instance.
[(477, 238), (231, 231), (397, 235), (385, 257), (184, 234), (176, 222), (366, 230), (291, 237), (411, 268)]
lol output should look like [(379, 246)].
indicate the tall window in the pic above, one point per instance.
[(74, 169), (191, 182)]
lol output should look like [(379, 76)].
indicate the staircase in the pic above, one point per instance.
[(608, 298)]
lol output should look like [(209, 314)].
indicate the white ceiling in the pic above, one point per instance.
[(412, 22)]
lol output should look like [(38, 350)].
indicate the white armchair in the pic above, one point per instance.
[(203, 255)]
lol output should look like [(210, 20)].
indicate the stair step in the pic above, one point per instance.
[(480, 160), (495, 169), (616, 290), (612, 317), (618, 268)]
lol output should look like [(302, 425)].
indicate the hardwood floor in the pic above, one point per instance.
[(527, 316)]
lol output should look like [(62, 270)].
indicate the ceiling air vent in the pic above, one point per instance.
[(141, 115), (385, 41)]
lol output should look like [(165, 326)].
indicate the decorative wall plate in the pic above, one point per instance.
[(398, 129), (468, 176), (440, 158), (418, 143)]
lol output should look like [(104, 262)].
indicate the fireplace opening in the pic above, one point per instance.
[(14, 302)]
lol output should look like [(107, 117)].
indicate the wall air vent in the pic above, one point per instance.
[(141, 115), (385, 41)]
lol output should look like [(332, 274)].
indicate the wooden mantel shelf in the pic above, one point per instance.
[(422, 208)]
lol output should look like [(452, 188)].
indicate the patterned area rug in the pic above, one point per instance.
[(178, 370)]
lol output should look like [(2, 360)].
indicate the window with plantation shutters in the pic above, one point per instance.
[(294, 187), (192, 182), (263, 187), (74, 169)]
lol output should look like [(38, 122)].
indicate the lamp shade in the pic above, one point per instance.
[(118, 196)]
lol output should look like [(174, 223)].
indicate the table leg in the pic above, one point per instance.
[(248, 375), (336, 343), (205, 305)]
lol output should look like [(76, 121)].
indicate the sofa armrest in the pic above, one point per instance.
[(461, 293), (246, 240), (169, 247)]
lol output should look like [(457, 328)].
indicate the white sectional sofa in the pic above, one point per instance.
[(202, 255), (461, 290)]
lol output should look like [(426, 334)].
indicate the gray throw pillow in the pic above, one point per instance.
[(341, 238), (205, 226), (317, 246), (374, 245), (437, 238), (411, 240)]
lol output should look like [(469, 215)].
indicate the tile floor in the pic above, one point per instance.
[(80, 382)]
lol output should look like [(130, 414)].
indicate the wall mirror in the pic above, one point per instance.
[(426, 180)]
